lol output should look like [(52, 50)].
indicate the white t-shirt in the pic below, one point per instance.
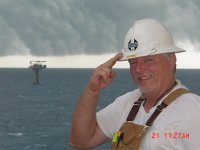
[(177, 127)]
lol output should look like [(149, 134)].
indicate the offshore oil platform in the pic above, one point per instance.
[(36, 66)]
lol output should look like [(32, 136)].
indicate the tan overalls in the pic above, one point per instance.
[(130, 134)]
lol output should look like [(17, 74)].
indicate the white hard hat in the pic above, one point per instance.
[(148, 37)]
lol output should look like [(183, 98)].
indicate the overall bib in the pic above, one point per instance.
[(130, 134)]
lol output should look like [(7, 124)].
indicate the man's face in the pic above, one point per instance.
[(152, 73)]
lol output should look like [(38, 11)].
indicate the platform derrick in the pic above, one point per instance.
[(36, 66)]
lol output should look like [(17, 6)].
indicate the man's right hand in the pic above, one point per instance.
[(104, 74)]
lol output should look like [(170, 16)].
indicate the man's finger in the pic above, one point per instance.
[(111, 62)]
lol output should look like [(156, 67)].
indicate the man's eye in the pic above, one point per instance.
[(148, 60), (132, 62)]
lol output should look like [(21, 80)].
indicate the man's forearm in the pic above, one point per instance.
[(85, 132), (84, 118)]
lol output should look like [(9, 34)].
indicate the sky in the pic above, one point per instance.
[(85, 33)]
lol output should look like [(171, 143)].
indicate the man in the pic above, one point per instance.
[(150, 51)]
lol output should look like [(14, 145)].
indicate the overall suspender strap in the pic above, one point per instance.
[(137, 104), (168, 100), (134, 109), (172, 96)]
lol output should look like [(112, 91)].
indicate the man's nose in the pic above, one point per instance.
[(140, 66)]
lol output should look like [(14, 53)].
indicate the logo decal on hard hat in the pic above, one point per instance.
[(132, 46)]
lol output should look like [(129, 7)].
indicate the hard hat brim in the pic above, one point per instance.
[(151, 52)]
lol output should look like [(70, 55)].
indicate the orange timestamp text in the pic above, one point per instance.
[(170, 135)]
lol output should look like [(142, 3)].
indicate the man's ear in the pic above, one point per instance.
[(172, 61)]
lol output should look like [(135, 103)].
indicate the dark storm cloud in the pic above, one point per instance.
[(62, 27)]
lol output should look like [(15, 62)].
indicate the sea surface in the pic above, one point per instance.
[(38, 117)]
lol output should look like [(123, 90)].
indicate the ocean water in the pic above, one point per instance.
[(37, 117)]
